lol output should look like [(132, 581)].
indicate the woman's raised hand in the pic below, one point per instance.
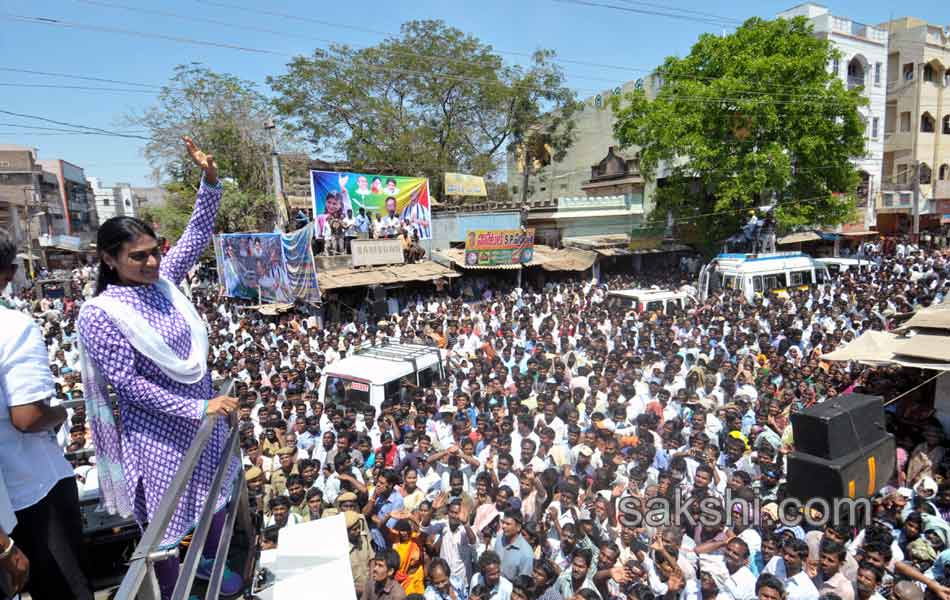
[(205, 161)]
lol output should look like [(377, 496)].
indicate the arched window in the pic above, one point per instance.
[(855, 72), (926, 123), (925, 174), (928, 72), (944, 172)]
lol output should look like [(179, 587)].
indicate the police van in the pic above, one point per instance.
[(758, 274), (376, 372)]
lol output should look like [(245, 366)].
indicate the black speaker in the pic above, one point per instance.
[(380, 309), (377, 293), (858, 474), (838, 427)]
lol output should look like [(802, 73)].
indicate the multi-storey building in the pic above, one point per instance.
[(917, 122), (863, 63)]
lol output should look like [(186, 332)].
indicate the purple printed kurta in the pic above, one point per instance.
[(159, 416)]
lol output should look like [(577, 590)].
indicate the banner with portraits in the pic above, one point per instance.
[(391, 199), (268, 267)]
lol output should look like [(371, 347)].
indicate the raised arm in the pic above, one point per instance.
[(198, 232)]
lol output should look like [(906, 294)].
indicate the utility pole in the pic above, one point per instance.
[(278, 178), (915, 183)]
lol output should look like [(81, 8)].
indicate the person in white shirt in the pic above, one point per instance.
[(41, 484), (740, 584), (788, 568)]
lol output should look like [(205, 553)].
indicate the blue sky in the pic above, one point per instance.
[(596, 34)]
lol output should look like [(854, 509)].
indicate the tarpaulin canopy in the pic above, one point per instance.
[(562, 259), (343, 278), (799, 237), (881, 348)]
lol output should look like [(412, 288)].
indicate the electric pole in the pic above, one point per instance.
[(278, 179), (915, 183)]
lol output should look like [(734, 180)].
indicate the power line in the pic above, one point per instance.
[(718, 21), (74, 126), (73, 76), (75, 87)]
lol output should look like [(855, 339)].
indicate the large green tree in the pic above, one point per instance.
[(431, 100), (744, 118), (240, 210), (225, 115)]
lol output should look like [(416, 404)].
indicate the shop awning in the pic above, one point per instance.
[(799, 237), (859, 234), (562, 259), (344, 278), (598, 242)]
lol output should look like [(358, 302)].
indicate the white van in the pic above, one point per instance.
[(374, 373), (650, 299), (840, 264), (759, 274)]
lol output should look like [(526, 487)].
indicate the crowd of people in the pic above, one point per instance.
[(560, 409), (337, 231)]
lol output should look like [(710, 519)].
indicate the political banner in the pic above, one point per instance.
[(459, 184), (268, 267), (499, 247), (391, 199), (301, 271)]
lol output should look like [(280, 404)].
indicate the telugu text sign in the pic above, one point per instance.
[(499, 247), (460, 184), (377, 252)]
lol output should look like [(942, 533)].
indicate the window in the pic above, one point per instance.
[(795, 278), (835, 65), (514, 189), (925, 174), (105, 202), (875, 124), (909, 72), (928, 73), (944, 172), (926, 123), (877, 73), (902, 171), (775, 281), (946, 125), (757, 284), (905, 121)]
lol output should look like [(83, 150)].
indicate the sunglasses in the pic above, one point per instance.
[(141, 256)]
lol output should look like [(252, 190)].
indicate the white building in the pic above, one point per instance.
[(114, 201), (863, 62)]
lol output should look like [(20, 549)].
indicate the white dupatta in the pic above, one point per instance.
[(143, 337)]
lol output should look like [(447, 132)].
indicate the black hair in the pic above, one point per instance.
[(770, 581), (109, 239)]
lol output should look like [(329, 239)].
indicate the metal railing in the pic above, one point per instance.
[(140, 582)]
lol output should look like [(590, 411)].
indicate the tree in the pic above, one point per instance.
[(225, 116), (241, 210), (746, 116), (431, 100)]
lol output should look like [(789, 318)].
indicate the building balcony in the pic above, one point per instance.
[(941, 189)]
